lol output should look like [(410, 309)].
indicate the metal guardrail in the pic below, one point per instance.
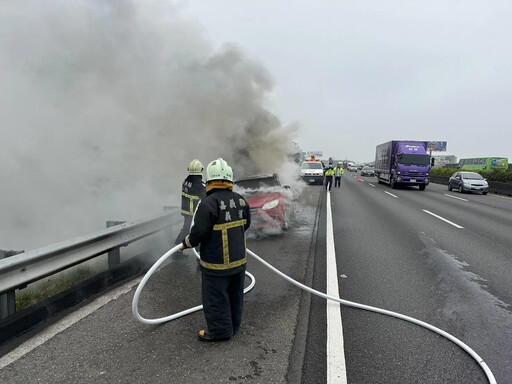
[(22, 269)]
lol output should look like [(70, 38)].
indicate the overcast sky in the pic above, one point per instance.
[(354, 74)]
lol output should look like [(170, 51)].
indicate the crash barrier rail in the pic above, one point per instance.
[(494, 186), (20, 270)]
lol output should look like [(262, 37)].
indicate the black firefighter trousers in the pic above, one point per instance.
[(223, 298), (184, 230)]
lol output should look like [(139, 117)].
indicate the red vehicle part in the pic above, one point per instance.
[(267, 210)]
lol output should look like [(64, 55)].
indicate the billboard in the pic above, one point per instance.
[(436, 146), (317, 154), (443, 160)]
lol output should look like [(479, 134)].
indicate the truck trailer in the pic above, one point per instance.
[(401, 162)]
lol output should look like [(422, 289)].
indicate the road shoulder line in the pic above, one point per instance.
[(336, 367), (66, 322)]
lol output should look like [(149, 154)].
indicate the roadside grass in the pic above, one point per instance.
[(27, 297)]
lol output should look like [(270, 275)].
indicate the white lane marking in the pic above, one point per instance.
[(455, 197), (336, 368), (370, 184), (390, 194), (442, 218), (502, 197), (65, 323)]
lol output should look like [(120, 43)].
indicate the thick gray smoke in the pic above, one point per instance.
[(103, 106)]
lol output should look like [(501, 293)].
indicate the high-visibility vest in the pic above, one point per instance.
[(329, 172)]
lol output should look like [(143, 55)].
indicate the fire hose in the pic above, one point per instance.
[(135, 302), (347, 303)]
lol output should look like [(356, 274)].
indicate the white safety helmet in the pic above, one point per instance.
[(219, 170), (195, 167)]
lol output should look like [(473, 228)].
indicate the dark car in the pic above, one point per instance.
[(468, 182), (269, 202), (367, 171)]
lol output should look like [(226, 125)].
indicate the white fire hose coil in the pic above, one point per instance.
[(347, 303)]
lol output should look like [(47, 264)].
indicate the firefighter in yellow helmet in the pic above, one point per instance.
[(219, 227), (192, 191)]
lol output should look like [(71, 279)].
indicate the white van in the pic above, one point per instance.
[(312, 172)]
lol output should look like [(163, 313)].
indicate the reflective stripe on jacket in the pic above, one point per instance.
[(192, 190), (188, 203), (219, 227)]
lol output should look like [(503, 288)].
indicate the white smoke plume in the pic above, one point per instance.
[(103, 106)]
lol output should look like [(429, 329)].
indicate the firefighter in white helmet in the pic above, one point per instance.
[(219, 227), (192, 191)]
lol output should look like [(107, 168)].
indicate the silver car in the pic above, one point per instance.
[(468, 182)]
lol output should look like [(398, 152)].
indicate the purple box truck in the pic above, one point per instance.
[(403, 163)]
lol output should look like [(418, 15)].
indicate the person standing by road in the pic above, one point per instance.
[(192, 191), (219, 227), (338, 171), (328, 178)]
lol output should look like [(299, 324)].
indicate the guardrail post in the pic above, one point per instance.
[(114, 255), (7, 300)]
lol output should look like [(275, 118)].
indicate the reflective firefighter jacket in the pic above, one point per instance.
[(219, 226), (192, 190)]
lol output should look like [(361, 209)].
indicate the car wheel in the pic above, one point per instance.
[(484, 193), (422, 187), (449, 187), (461, 190)]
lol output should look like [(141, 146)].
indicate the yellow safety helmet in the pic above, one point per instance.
[(195, 167), (219, 170)]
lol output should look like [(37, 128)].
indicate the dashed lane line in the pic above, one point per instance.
[(442, 218), (390, 194), (455, 197)]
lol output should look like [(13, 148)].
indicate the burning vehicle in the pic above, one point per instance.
[(270, 202)]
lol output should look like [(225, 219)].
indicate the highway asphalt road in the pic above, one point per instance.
[(451, 270), (390, 253)]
